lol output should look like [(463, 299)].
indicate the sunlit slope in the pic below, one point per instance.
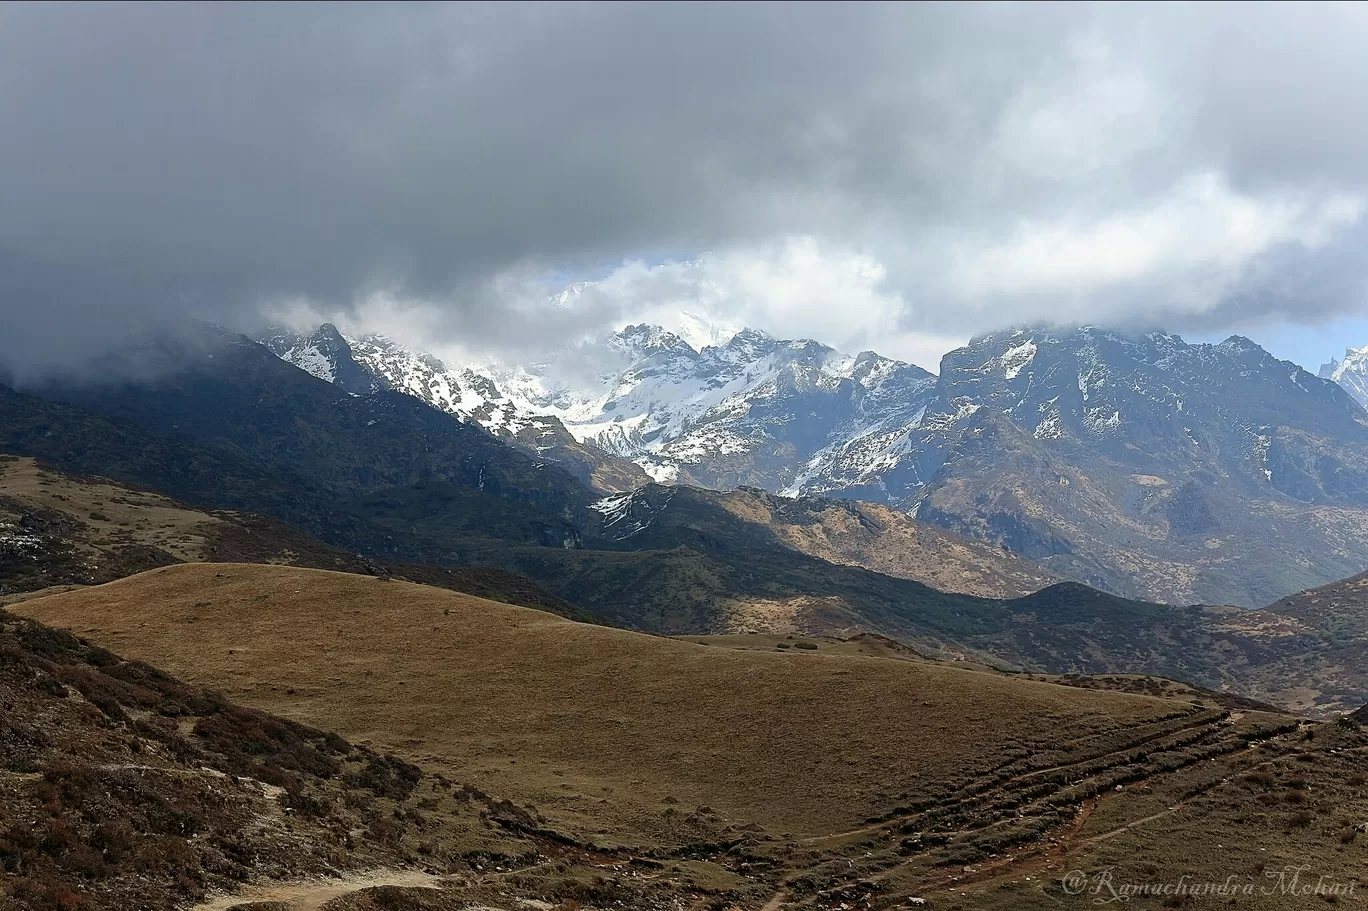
[(606, 730)]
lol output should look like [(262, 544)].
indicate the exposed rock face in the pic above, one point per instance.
[(1135, 462), (1351, 373), (1145, 465), (371, 364), (328, 356)]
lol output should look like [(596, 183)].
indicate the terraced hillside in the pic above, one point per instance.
[(804, 776)]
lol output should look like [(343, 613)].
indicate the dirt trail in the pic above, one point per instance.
[(312, 895), (777, 902)]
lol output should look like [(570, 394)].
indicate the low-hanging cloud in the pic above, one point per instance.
[(902, 174)]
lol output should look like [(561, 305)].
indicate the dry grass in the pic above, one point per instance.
[(603, 729), (823, 775), (110, 513), (1223, 820), (121, 787), (886, 540)]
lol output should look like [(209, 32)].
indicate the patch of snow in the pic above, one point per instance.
[(1018, 358), (1098, 421), (309, 359), (620, 512), (1352, 373), (611, 506), (1260, 455), (14, 540), (660, 472), (964, 409), (1051, 427)]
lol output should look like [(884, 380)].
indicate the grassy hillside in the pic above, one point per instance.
[(602, 706), (421, 489), (785, 777), (121, 787)]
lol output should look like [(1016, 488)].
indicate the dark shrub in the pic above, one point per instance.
[(386, 776), (255, 740)]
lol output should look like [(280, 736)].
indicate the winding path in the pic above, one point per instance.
[(312, 895)]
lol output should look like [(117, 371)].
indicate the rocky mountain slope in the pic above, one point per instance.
[(754, 410), (1351, 373), (374, 364), (431, 489), (1143, 465), (1136, 463), (844, 532), (1139, 464)]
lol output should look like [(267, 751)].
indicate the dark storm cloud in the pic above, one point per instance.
[(164, 160)]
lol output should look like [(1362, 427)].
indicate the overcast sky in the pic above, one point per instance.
[(894, 177)]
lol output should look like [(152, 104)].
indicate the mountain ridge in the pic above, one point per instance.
[(728, 415), (1351, 373), (1148, 466), (421, 489), (57, 529), (1135, 462)]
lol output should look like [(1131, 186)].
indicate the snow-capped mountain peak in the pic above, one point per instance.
[(721, 414), (326, 355), (644, 338), (701, 332), (1351, 373), (1115, 456)]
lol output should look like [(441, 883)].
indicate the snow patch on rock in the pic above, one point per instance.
[(1017, 359)]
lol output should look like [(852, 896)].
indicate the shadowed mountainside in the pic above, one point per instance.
[(1132, 462), (56, 529), (426, 488)]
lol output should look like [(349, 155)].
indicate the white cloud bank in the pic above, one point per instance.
[(891, 176), (1200, 240)]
